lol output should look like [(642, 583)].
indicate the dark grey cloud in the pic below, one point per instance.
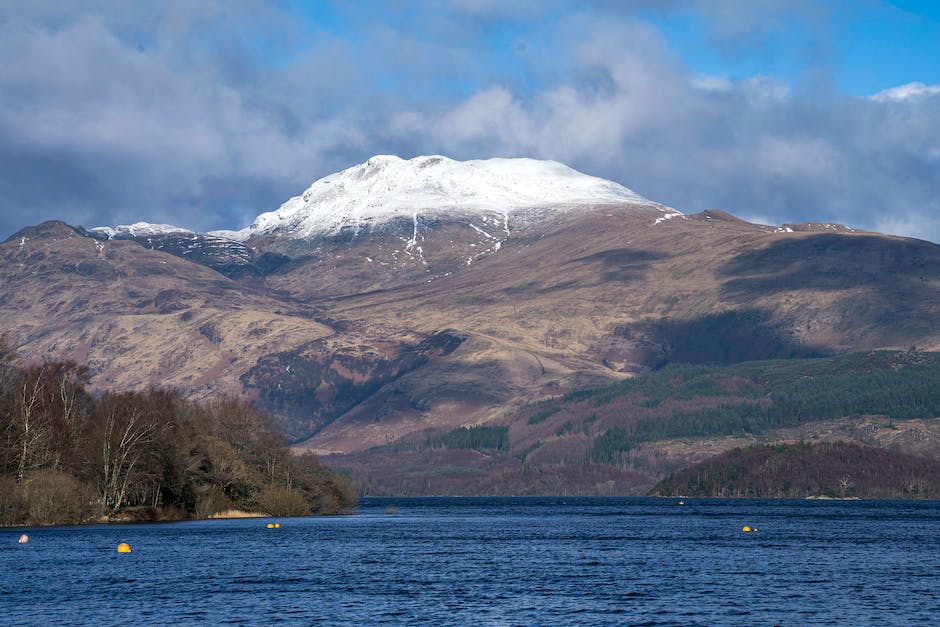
[(206, 114), (177, 124)]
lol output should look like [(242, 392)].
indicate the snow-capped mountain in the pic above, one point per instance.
[(429, 215), (387, 188), (429, 212)]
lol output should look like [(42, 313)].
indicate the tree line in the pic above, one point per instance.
[(70, 456), (832, 469), (480, 438)]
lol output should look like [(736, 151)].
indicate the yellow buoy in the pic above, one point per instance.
[(681, 502), (270, 525), (277, 525), (124, 547), (24, 539), (746, 529)]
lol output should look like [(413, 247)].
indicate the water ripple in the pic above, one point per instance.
[(493, 562)]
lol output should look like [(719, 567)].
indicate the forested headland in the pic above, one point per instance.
[(828, 469), (69, 456)]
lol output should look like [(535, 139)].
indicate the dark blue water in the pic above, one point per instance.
[(494, 562)]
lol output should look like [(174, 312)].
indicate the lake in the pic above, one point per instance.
[(494, 561)]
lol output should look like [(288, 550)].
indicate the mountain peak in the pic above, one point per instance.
[(387, 187), (49, 228)]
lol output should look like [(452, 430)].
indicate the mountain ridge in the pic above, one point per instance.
[(357, 339)]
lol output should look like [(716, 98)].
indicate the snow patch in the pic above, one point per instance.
[(224, 234), (497, 243), (667, 216), (140, 229)]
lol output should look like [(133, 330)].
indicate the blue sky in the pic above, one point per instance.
[(205, 114), (864, 46)]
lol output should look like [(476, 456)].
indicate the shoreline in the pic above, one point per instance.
[(237, 513)]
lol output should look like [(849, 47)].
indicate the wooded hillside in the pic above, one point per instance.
[(831, 469), (624, 438), (682, 401)]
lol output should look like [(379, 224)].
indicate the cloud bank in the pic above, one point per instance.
[(206, 114)]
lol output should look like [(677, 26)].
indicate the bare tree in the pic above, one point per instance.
[(224, 467), (31, 435), (916, 485), (845, 484), (42, 410), (67, 404), (127, 428)]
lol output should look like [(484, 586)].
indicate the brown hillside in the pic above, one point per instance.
[(362, 340)]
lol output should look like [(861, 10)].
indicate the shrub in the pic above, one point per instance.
[(11, 501), (279, 500), (52, 497), (211, 500), (344, 493)]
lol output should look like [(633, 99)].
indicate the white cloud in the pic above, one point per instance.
[(909, 91), (712, 83), (489, 118)]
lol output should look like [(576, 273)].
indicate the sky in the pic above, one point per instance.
[(206, 113)]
